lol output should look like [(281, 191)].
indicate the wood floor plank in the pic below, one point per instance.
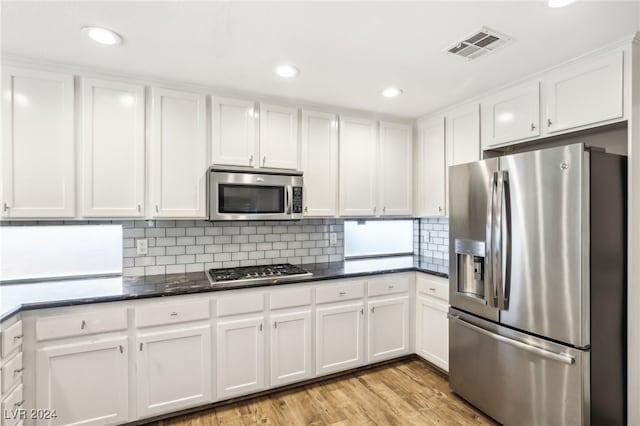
[(401, 393)]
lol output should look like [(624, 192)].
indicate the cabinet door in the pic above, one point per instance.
[(585, 93), (240, 360), (463, 135), (38, 154), (358, 156), (290, 348), (234, 132), (395, 170), (431, 168), (86, 383), (339, 338), (278, 137), (178, 154), (174, 369), (320, 163), (432, 331), (112, 149), (462, 138), (513, 114), (388, 335)]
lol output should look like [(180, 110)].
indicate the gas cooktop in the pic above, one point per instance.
[(256, 274)]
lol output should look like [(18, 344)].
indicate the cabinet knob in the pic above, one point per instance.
[(391, 287), (251, 160), (384, 210), (432, 289), (141, 344), (306, 209), (174, 314), (18, 370), (374, 209), (157, 209), (342, 293), (18, 337), (264, 160), (83, 325), (439, 209), (139, 208), (121, 349), (549, 122), (5, 207), (362, 311), (373, 309), (533, 127), (19, 404), (260, 326), (275, 324)]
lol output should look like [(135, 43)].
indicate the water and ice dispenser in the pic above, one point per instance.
[(470, 267)]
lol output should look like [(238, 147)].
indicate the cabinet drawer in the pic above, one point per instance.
[(172, 313), (12, 373), (11, 338), (290, 298), (81, 324), (12, 402), (388, 285), (435, 287), (240, 304), (337, 293)]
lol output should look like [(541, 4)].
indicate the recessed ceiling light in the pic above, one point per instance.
[(287, 71), (103, 35), (391, 92), (560, 3)]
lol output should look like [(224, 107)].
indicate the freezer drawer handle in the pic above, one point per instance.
[(564, 358)]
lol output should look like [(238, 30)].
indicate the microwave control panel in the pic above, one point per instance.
[(297, 199)]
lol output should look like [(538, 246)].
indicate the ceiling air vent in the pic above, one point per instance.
[(478, 44)]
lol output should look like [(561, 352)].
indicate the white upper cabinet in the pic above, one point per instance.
[(430, 185), (320, 163), (585, 93), (278, 137), (512, 115), (358, 143), (38, 154), (234, 132), (112, 149), (178, 157), (463, 135), (396, 179)]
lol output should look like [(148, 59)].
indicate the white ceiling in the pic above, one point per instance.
[(347, 51)]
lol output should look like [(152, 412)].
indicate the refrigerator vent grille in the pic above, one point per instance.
[(478, 44)]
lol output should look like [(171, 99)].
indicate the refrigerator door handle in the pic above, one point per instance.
[(497, 241), (564, 358), (490, 289), (505, 285)]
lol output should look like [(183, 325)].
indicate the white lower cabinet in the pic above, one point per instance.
[(388, 331), (240, 360), (339, 338), (173, 369), (291, 347), (432, 325), (85, 383)]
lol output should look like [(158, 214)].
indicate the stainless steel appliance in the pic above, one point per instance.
[(237, 193), (272, 274), (538, 286)]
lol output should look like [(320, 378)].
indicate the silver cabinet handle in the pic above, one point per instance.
[(391, 287), (251, 160), (139, 208), (533, 127), (306, 209), (264, 160), (18, 337), (564, 358), (362, 311), (549, 122), (174, 314), (19, 404), (260, 326), (18, 370), (342, 293), (373, 309), (384, 210), (83, 325), (157, 209), (121, 349), (5, 207), (374, 209), (141, 344), (275, 324), (489, 289)]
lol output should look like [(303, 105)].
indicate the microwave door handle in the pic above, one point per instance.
[(288, 198), (488, 246)]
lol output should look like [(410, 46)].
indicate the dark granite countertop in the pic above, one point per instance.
[(50, 294)]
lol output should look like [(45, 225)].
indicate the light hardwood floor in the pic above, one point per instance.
[(407, 392)]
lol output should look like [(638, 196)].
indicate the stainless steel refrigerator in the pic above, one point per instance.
[(537, 324)]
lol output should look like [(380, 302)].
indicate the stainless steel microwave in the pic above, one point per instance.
[(237, 193)]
